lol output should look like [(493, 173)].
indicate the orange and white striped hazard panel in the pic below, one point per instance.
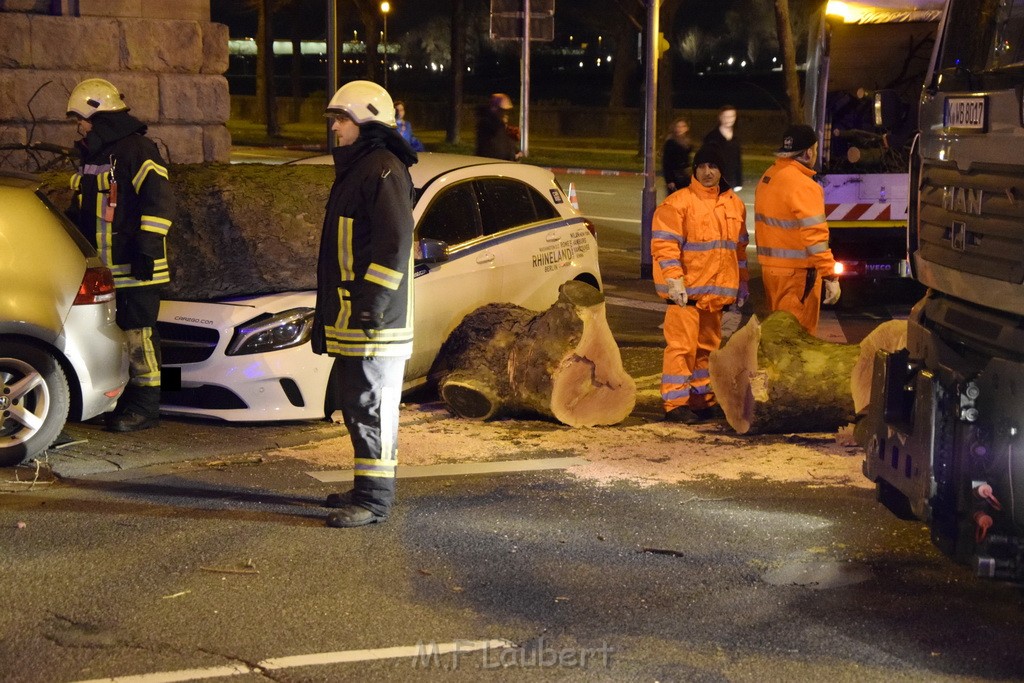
[(866, 211)]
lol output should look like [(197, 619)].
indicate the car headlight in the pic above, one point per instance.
[(272, 332)]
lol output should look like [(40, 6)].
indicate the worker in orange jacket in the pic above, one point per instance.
[(791, 232), (698, 246)]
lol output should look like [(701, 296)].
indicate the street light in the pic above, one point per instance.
[(385, 7)]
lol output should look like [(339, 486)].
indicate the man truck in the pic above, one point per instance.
[(944, 432), (866, 64)]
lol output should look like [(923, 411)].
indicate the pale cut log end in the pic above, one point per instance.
[(469, 398), (889, 336), (732, 367), (578, 401), (591, 387)]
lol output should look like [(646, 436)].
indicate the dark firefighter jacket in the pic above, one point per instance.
[(116, 148), (365, 267)]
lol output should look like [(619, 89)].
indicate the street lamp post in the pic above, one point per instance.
[(385, 7)]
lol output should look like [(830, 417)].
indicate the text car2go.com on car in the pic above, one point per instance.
[(487, 231)]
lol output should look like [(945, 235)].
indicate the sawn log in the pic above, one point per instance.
[(775, 377), (562, 363)]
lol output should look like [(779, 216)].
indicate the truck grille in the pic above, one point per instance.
[(183, 344), (971, 222)]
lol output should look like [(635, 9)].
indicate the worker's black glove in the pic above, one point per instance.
[(142, 267)]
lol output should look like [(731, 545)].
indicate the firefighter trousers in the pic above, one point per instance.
[(137, 310), (784, 289), (370, 395), (691, 334)]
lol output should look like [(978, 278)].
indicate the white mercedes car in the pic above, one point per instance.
[(487, 231)]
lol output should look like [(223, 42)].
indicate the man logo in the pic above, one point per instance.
[(958, 236)]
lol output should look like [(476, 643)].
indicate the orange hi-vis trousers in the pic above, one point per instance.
[(783, 287), (691, 334)]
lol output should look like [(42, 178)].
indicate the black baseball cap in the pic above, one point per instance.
[(797, 138)]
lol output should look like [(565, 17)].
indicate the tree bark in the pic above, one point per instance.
[(776, 378), (786, 47), (240, 228), (561, 363), (265, 68)]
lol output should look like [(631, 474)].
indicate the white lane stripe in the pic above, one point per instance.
[(316, 659), (579, 191), (612, 218), (459, 469), (634, 303)]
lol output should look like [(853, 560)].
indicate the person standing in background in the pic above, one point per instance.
[(124, 205), (405, 128), (791, 232), (724, 137), (699, 246), (675, 156), (495, 137)]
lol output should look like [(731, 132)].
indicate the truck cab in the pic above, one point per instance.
[(944, 432)]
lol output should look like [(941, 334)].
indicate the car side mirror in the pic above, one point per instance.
[(429, 250)]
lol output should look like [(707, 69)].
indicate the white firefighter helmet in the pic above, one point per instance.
[(93, 95), (363, 101)]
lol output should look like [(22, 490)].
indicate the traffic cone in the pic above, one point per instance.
[(572, 197)]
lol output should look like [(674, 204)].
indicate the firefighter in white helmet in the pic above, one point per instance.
[(124, 205), (364, 304)]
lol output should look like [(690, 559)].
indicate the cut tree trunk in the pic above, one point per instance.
[(240, 229), (775, 377), (562, 363)]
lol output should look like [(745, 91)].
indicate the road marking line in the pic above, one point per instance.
[(460, 469), (612, 218), (316, 659), (579, 191), (634, 303)]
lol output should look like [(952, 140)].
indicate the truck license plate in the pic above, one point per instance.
[(965, 112)]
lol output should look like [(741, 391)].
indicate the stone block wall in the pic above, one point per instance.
[(169, 66)]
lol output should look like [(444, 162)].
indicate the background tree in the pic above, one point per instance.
[(458, 70), (785, 32), (265, 95)]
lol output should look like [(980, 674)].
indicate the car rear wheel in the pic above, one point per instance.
[(34, 401)]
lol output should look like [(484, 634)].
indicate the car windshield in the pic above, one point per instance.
[(983, 37)]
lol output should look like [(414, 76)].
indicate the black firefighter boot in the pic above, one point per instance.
[(137, 409)]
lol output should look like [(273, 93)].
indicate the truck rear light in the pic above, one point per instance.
[(97, 286)]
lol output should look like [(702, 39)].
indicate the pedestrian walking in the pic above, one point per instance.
[(698, 244), (675, 156), (405, 128), (124, 205), (791, 232), (364, 303), (495, 136), (724, 137)]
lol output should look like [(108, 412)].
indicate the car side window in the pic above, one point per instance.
[(506, 203), (451, 216)]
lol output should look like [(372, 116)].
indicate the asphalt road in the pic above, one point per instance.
[(193, 552)]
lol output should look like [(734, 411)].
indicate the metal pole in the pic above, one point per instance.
[(385, 45), (649, 199), (332, 61), (524, 94)]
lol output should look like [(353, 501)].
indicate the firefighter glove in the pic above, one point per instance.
[(370, 322), (676, 290), (831, 291), (142, 267)]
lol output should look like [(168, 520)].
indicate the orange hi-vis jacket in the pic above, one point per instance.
[(789, 219), (699, 234)]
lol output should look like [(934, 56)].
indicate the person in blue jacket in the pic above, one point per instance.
[(405, 128)]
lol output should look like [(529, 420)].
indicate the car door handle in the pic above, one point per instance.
[(486, 257), (553, 237)]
